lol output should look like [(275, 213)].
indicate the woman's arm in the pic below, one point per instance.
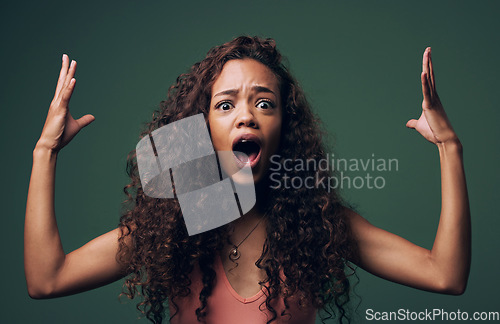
[(444, 268), (49, 272)]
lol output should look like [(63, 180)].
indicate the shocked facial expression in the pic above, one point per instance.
[(245, 114)]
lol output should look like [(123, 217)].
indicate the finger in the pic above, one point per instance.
[(67, 92), (62, 74), (426, 91), (427, 66), (412, 123), (431, 71), (85, 120), (71, 73), (425, 62)]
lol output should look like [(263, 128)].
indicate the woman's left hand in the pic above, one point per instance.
[(445, 268), (433, 123)]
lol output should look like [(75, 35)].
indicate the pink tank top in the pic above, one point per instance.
[(225, 306)]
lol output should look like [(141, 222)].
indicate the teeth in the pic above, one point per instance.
[(244, 141)]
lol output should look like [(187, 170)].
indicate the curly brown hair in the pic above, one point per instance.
[(311, 222)]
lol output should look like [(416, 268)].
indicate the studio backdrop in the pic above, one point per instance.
[(359, 64)]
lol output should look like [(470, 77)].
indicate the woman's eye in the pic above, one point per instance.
[(264, 104), (224, 106)]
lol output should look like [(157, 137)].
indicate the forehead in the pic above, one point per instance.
[(241, 73)]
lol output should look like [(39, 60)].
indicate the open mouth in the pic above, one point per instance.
[(247, 150)]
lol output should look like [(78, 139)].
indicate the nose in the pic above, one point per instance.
[(246, 117)]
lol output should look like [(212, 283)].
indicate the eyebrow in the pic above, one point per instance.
[(235, 91)]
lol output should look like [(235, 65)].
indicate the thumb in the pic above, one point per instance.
[(85, 120), (412, 123)]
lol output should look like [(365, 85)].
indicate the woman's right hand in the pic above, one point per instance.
[(50, 272), (60, 127)]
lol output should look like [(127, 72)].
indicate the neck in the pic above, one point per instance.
[(258, 210), (246, 223), (254, 223)]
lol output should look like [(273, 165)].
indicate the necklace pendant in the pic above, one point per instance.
[(234, 254)]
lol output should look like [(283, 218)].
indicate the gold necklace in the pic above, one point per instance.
[(235, 254)]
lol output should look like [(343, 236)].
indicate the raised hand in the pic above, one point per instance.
[(433, 123), (60, 127)]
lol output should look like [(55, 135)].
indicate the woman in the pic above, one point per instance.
[(291, 254)]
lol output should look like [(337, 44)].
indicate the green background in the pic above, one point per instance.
[(359, 63)]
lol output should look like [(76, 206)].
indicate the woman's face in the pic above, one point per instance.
[(245, 114)]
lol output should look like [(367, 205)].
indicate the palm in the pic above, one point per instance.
[(70, 130), (423, 128)]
